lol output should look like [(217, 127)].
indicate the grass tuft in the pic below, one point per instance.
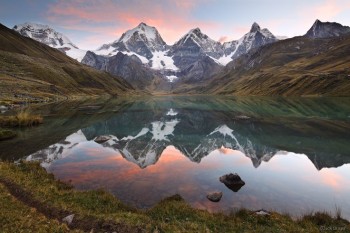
[(338, 212), (6, 134), (23, 118)]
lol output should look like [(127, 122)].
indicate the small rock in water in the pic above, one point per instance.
[(214, 197), (232, 181), (262, 212), (68, 219), (2, 107), (242, 117), (89, 107), (102, 138)]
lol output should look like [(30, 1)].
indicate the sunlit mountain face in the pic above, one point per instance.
[(167, 145)]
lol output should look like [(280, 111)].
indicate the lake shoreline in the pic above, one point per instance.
[(34, 188)]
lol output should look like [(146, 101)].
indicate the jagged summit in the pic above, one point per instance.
[(255, 27), (194, 33), (143, 32), (142, 24), (326, 29), (196, 30), (196, 38)]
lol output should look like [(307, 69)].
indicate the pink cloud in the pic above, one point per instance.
[(328, 9), (223, 39), (324, 11), (172, 18)]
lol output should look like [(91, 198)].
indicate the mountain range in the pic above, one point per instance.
[(143, 59), (256, 64)]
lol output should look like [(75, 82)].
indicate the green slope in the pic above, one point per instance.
[(292, 67), (32, 71)]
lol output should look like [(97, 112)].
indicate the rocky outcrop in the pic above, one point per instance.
[(102, 138)]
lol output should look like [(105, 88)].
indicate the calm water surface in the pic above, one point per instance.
[(293, 154)]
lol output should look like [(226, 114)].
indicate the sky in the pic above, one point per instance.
[(92, 23)]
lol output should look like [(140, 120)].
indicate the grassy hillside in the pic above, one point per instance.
[(32, 71), (297, 66)]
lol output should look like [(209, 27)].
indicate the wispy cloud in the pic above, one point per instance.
[(329, 9)]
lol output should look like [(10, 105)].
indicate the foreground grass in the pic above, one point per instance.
[(17, 217), (170, 215), (22, 118)]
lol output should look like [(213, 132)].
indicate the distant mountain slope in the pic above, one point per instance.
[(128, 67), (297, 66), (35, 71)]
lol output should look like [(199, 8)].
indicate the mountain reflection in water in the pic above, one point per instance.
[(162, 146)]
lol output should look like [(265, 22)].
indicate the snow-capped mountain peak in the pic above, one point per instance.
[(47, 35), (44, 34), (142, 41), (255, 38)]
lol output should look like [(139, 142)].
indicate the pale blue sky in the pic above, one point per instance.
[(90, 24)]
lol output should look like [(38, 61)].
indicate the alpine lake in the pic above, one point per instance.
[(292, 153)]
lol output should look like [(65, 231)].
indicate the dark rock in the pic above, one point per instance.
[(102, 138), (215, 196), (232, 181)]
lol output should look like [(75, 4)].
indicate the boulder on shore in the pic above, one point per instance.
[(215, 196), (232, 181), (68, 219)]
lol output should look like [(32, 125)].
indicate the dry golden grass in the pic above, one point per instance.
[(21, 119)]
